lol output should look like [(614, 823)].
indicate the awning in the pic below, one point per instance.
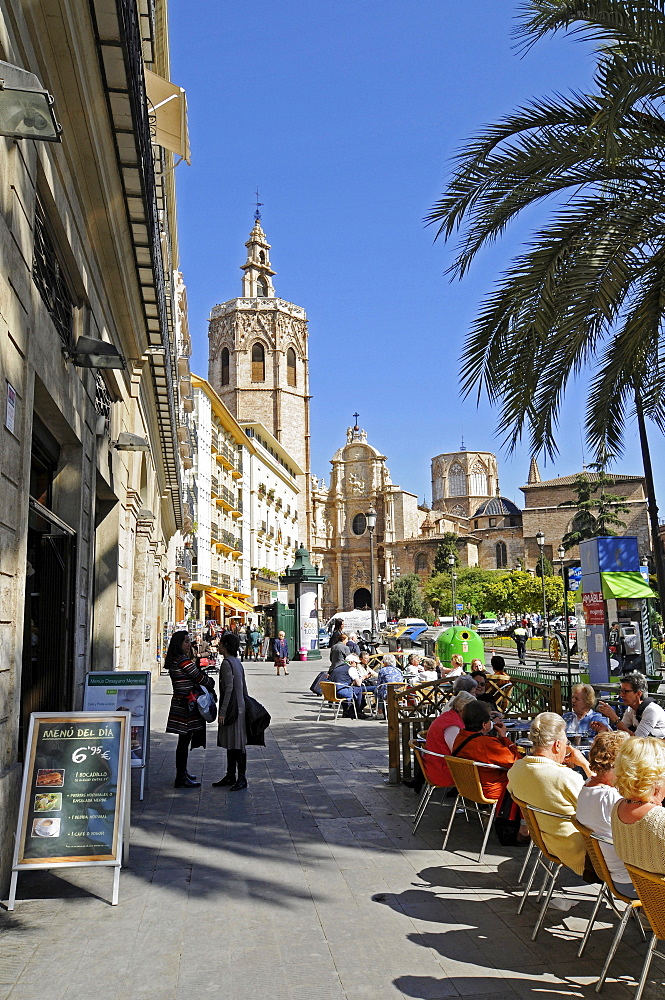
[(168, 105), (211, 600), (233, 602), (625, 585)]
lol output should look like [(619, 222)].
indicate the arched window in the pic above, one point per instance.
[(291, 367), (478, 480), (225, 366), (359, 524), (421, 562), (262, 256), (501, 555), (258, 363), (456, 481), (458, 509), (262, 287)]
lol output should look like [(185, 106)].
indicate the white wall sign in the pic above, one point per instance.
[(10, 415)]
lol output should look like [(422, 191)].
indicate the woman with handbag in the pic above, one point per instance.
[(280, 652), (184, 717), (231, 729)]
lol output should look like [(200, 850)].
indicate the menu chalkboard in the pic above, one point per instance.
[(74, 791)]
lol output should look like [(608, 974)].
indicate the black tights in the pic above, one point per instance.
[(182, 752)]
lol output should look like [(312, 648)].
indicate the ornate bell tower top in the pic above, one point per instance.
[(257, 279)]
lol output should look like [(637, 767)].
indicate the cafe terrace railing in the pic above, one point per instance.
[(411, 708)]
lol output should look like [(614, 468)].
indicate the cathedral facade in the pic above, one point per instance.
[(258, 363)]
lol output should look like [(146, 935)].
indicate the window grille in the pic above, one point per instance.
[(49, 277)]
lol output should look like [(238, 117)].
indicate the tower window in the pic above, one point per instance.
[(262, 256), (225, 366), (262, 287), (258, 363), (479, 480), (456, 481), (421, 563), (501, 555), (291, 367), (359, 524)]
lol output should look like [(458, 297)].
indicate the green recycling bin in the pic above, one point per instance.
[(460, 640)]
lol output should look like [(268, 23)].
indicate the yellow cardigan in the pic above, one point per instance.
[(543, 783)]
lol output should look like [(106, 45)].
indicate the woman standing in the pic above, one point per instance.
[(232, 734), (184, 718), (280, 652)]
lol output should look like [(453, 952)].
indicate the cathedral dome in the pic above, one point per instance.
[(497, 507)]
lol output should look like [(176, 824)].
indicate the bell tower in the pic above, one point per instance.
[(258, 361)]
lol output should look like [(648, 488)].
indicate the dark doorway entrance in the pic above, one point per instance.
[(362, 599)]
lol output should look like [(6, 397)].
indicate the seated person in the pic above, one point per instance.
[(475, 742), (465, 683), (352, 643), (597, 799), (477, 664), (578, 722), (456, 667), (339, 652), (428, 669), (347, 685), (481, 692), (413, 669), (370, 675), (388, 673), (441, 737), (499, 684), (546, 779), (643, 717), (638, 820)]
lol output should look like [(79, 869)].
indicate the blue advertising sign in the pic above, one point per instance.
[(574, 577)]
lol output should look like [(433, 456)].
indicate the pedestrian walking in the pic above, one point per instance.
[(257, 642), (280, 652), (246, 643), (520, 636), (184, 717), (231, 729)]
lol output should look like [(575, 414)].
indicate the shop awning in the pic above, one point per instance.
[(211, 600), (233, 602), (630, 585), (168, 104)]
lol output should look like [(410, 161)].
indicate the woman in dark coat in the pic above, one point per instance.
[(232, 734), (184, 718)]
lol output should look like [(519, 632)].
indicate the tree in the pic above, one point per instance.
[(471, 590), (546, 569), (446, 547), (404, 597), (596, 510), (588, 295)]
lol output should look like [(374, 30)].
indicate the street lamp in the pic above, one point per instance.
[(453, 581), (540, 538), (562, 553), (371, 525)]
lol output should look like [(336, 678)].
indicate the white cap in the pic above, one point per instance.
[(352, 658)]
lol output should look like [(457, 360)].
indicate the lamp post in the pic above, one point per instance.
[(453, 581), (540, 538), (564, 576), (371, 525)]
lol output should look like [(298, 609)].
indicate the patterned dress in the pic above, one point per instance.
[(232, 675), (183, 718)]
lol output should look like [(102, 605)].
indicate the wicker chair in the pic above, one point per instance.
[(609, 892), (420, 753), (329, 697), (469, 788), (651, 890), (545, 859)]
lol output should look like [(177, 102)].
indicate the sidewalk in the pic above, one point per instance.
[(307, 886)]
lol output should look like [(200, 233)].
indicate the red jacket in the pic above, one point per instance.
[(489, 750), (435, 767)]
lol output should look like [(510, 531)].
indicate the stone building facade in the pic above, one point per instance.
[(258, 362), (462, 479)]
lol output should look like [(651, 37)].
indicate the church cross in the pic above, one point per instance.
[(259, 204), (356, 415)]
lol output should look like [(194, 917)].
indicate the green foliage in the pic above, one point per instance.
[(405, 599), (471, 590), (547, 568), (585, 298), (597, 510), (446, 547), (519, 593)]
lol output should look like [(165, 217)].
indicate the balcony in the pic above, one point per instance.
[(183, 564), (214, 577), (226, 498), (238, 511), (214, 532), (214, 442), (262, 528), (229, 543), (214, 487), (225, 580)]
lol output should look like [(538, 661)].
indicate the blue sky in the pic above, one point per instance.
[(346, 114)]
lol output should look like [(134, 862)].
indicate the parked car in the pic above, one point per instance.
[(486, 626), (324, 637)]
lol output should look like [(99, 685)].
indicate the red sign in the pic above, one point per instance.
[(594, 608)]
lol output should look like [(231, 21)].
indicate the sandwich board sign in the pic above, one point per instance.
[(124, 691), (74, 807)]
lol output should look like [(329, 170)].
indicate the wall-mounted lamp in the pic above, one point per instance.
[(89, 353), (131, 442), (26, 109)]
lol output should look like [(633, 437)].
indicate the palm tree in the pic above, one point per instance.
[(588, 294)]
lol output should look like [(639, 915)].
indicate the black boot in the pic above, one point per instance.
[(241, 757), (230, 776), (182, 780)]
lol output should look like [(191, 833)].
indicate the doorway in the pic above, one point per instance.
[(362, 600)]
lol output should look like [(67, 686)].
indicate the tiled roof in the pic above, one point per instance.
[(570, 480)]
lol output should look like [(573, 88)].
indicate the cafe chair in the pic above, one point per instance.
[(608, 892), (329, 697), (551, 864), (420, 753), (469, 789), (651, 890)]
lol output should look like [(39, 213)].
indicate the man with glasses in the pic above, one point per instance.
[(643, 716)]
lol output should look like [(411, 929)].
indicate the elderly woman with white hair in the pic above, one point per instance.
[(638, 819), (546, 780), (388, 673)]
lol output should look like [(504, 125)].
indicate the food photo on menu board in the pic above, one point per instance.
[(71, 803)]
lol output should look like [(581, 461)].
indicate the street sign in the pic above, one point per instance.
[(74, 802), (124, 691), (459, 607), (574, 577)]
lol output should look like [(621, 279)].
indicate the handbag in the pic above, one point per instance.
[(206, 703), (507, 821)]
